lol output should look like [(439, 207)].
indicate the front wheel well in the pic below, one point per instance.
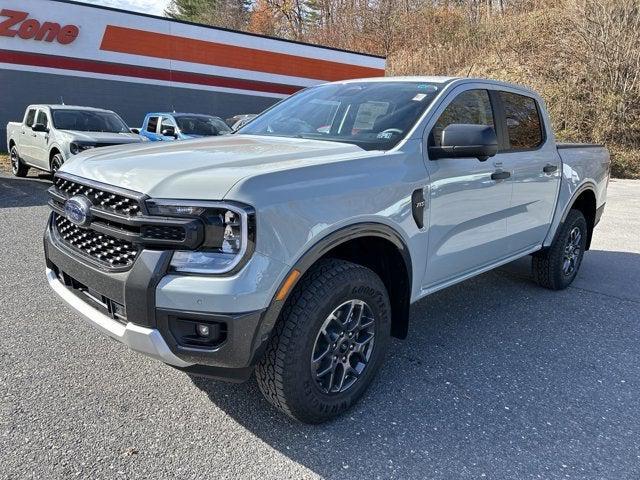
[(386, 260), (586, 203), (54, 151), (11, 144)]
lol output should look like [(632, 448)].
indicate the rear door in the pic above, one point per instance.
[(41, 142), (468, 208), (535, 165)]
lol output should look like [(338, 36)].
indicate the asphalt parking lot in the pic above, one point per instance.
[(499, 379)]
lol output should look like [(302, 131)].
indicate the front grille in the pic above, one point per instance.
[(102, 199), (105, 249)]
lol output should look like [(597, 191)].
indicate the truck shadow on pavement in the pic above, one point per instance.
[(498, 377), (24, 192)]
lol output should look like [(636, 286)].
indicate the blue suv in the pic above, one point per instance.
[(181, 126)]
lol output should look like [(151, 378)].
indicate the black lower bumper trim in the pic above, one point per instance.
[(238, 348)]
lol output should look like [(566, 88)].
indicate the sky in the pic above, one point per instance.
[(153, 7)]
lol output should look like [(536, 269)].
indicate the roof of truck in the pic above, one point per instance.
[(178, 114), (69, 107), (440, 80)]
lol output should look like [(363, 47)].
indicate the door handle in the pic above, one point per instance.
[(548, 168), (500, 175)]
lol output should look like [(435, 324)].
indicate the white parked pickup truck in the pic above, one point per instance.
[(295, 247), (50, 134)]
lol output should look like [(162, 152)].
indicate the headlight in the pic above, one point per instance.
[(77, 147), (228, 240)]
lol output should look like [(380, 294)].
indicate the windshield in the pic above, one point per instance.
[(372, 115), (202, 125), (88, 121)]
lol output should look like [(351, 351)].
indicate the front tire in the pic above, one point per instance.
[(329, 342), (557, 266), (18, 168), (56, 163)]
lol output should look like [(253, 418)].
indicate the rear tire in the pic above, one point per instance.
[(339, 316), (18, 168), (557, 266)]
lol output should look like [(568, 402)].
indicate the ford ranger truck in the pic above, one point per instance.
[(50, 134), (295, 247)]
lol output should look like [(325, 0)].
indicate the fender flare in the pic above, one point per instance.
[(312, 255), (579, 191), (351, 232), (588, 185)]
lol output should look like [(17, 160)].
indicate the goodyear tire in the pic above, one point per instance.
[(557, 266), (329, 342)]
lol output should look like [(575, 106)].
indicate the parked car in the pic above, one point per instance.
[(296, 246), (50, 134), (182, 126)]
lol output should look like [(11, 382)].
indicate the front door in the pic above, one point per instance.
[(40, 147), (27, 136), (468, 208)]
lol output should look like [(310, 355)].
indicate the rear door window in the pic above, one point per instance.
[(152, 125), (471, 107), (523, 122)]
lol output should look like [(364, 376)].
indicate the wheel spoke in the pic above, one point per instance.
[(324, 372), (316, 360), (368, 322), (361, 345), (342, 378)]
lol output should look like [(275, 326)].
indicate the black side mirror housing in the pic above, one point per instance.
[(135, 130), (462, 140), (169, 132), (39, 127)]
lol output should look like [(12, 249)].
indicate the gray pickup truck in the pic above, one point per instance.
[(50, 134), (295, 247)]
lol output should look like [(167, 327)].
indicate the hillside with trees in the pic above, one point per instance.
[(583, 56)]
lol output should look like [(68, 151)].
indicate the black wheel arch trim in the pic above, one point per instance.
[(317, 251), (587, 186)]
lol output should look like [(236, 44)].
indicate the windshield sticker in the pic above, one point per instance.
[(419, 97), (428, 88)]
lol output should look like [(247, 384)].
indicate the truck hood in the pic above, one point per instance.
[(205, 168), (103, 137)]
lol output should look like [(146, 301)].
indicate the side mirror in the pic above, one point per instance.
[(135, 130), (169, 132), (39, 127), (462, 140)]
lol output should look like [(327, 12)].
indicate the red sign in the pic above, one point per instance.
[(18, 23)]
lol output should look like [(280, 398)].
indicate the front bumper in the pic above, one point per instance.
[(141, 339), (154, 303)]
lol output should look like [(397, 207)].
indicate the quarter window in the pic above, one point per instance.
[(524, 126), (152, 125), (31, 116), (471, 107)]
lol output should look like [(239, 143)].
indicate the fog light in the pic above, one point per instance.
[(202, 329)]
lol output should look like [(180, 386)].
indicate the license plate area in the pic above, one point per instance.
[(101, 302)]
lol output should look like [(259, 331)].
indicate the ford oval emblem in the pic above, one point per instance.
[(78, 210)]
